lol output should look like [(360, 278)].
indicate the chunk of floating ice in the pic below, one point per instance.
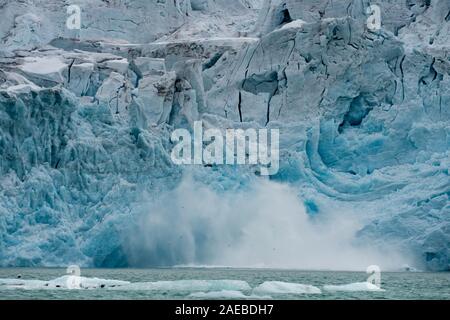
[(225, 294), (357, 286), (407, 268), (65, 282), (189, 286), (22, 284), (276, 287), (48, 68), (73, 282), (87, 283)]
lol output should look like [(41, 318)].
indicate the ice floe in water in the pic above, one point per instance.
[(189, 286), (74, 282), (276, 287), (352, 287), (65, 282), (226, 294), (202, 289)]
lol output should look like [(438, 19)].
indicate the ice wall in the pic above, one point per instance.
[(86, 117)]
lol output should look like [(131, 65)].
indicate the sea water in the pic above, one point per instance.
[(219, 283)]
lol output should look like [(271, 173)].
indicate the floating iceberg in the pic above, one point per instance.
[(63, 283), (218, 288), (189, 286)]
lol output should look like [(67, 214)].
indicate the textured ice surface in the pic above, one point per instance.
[(86, 117), (65, 282), (213, 287), (276, 287)]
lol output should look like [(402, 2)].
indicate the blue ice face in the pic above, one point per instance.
[(86, 175)]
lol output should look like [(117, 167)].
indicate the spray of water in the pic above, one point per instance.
[(264, 226)]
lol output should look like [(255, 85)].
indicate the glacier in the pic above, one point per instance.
[(86, 116)]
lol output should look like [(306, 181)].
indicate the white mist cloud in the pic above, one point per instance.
[(264, 226)]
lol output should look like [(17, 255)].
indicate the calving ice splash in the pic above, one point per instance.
[(214, 146)]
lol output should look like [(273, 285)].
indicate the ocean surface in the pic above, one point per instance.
[(218, 283)]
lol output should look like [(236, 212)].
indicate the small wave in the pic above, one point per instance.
[(353, 287), (276, 287)]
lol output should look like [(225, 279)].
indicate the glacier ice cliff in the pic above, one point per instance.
[(86, 116)]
